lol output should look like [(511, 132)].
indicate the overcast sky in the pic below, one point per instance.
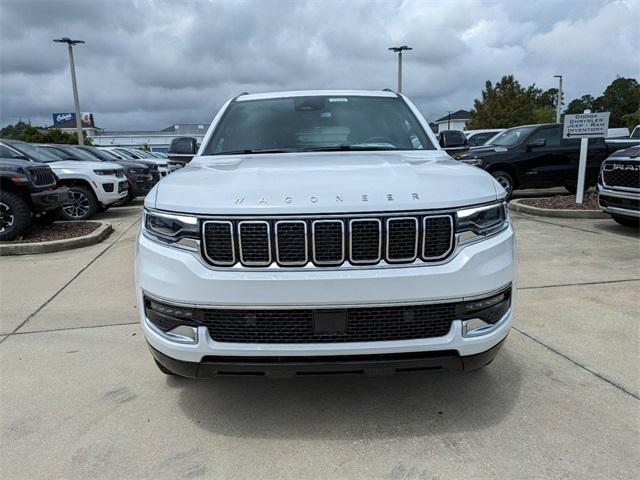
[(150, 63)]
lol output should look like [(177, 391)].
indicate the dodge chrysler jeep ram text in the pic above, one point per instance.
[(324, 232)]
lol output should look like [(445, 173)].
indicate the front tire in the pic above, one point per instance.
[(506, 180), (15, 216), (83, 204), (626, 221), (572, 189)]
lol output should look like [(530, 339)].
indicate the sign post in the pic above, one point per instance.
[(584, 126)]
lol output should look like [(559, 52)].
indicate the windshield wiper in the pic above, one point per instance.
[(332, 148), (246, 151)]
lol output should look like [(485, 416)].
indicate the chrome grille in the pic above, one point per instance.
[(325, 242)]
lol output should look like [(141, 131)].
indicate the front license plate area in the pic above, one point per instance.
[(329, 321)]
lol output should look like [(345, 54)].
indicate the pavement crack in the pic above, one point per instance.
[(61, 289), (578, 364), (83, 327)]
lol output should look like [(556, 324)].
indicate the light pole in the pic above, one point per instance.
[(559, 102), (399, 50), (70, 43)]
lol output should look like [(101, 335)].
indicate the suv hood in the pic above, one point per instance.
[(82, 166), (322, 182)]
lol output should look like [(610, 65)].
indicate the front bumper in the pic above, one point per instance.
[(50, 199), (626, 203), (182, 278), (328, 365), (140, 184)]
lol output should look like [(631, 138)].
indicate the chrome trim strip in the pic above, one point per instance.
[(479, 296), (615, 193), (339, 215), (424, 236), (371, 261), (313, 242), (233, 247), (251, 262), (415, 246), (306, 243)]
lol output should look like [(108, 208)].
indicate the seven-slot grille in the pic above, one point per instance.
[(42, 175), (327, 241), (368, 324), (621, 173)]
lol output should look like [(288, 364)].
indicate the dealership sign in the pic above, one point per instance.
[(69, 119), (586, 125)]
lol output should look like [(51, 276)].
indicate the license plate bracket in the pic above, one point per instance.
[(329, 321)]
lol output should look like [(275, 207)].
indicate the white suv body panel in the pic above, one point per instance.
[(80, 170)]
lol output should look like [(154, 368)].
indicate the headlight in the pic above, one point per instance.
[(135, 170), (475, 222), (179, 230), (106, 172), (475, 161)]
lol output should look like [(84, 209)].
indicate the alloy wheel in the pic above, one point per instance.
[(505, 182), (7, 217), (79, 205)]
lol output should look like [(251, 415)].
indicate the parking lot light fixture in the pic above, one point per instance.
[(559, 101), (70, 43), (399, 51)]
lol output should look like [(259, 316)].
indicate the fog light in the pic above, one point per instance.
[(475, 327), (183, 334)]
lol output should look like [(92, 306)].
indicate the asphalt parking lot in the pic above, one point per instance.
[(81, 397)]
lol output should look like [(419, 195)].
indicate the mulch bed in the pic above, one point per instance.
[(55, 231), (563, 202)]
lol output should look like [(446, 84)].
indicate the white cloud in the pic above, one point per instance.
[(148, 64)]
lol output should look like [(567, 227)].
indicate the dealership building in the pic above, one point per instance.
[(156, 140)]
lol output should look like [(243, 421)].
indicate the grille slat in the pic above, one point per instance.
[(296, 326), (328, 242), (291, 242), (366, 240), (621, 173), (255, 243), (218, 238), (436, 236), (402, 239)]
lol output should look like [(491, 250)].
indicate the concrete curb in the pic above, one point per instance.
[(97, 236), (548, 212)]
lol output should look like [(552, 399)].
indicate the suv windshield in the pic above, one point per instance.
[(35, 153), (317, 123), (511, 137)]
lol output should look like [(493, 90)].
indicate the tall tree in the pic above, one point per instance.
[(579, 105), (507, 104), (621, 97)]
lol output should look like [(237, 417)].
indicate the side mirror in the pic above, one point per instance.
[(452, 140), (537, 143), (182, 149)]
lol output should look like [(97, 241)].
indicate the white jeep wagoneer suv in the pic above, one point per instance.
[(324, 232)]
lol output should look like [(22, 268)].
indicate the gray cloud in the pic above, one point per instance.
[(147, 64)]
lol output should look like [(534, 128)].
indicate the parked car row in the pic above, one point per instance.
[(44, 182)]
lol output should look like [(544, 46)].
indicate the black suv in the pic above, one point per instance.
[(536, 156), (27, 192)]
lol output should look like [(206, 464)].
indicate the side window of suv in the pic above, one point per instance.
[(550, 135)]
